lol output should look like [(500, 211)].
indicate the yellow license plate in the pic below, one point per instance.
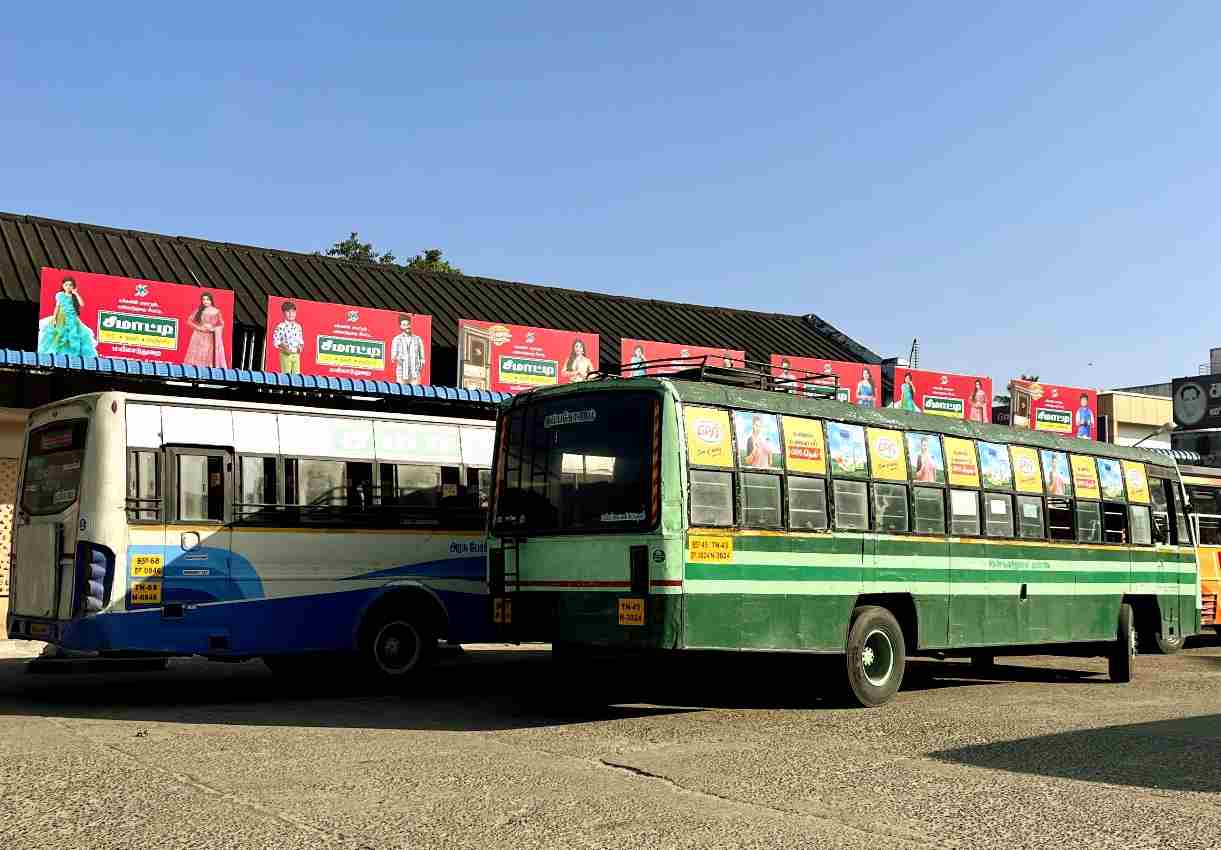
[(40, 630), (631, 612), (502, 611)]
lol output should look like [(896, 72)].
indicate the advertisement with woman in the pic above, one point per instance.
[(943, 394), (640, 356), (857, 383), (515, 358), (97, 315)]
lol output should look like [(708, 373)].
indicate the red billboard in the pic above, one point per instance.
[(516, 358), (944, 394), (100, 315), (317, 338), (859, 383), (1068, 411), (634, 353)]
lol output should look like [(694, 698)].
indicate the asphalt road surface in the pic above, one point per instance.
[(502, 750)]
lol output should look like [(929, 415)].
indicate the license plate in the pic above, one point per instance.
[(40, 630), (631, 612), (502, 611)]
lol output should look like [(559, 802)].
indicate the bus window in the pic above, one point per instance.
[(479, 482), (144, 485), (807, 504), (259, 486), (1030, 517), (200, 487), (1060, 519), (1115, 522), (851, 507), (890, 507), (929, 503), (964, 512), (1089, 522), (1161, 514), (1206, 505), (1141, 530), (998, 517), (409, 484), (760, 500), (54, 457), (711, 498)]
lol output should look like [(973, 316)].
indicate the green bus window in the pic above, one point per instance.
[(851, 507), (807, 504), (1142, 532), (1030, 517), (929, 503), (1160, 512), (1114, 522), (998, 517), (1089, 522), (1060, 519), (711, 498), (760, 500), (964, 512), (890, 507)]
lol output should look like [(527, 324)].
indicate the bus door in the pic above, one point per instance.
[(198, 533), (1168, 529)]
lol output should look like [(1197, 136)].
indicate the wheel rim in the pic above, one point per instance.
[(877, 658), (396, 648)]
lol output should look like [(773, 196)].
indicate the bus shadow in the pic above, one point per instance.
[(1170, 755), (474, 691)]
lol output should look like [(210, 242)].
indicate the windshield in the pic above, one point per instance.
[(577, 463), (53, 463)]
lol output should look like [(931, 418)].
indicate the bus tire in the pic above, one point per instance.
[(1163, 645), (875, 657), (397, 644), (1123, 651)]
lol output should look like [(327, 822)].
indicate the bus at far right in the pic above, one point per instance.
[(1204, 504)]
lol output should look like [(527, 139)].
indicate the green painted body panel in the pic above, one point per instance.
[(797, 591)]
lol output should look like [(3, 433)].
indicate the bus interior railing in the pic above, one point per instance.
[(732, 371)]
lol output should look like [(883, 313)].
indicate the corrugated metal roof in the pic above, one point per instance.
[(28, 243)]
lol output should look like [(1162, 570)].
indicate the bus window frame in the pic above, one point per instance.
[(943, 486), (739, 473), (259, 515), (865, 479), (735, 509), (172, 454), (161, 501)]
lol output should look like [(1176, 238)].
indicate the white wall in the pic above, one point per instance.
[(1128, 434)]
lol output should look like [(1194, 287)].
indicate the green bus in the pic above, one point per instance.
[(718, 509)]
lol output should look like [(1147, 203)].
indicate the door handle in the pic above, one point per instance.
[(189, 540)]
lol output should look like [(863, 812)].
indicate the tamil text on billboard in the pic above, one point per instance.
[(857, 383), (1197, 401), (645, 356), (100, 315), (339, 340), (943, 394), (1068, 411), (516, 358)]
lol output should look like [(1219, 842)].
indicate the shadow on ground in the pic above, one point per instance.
[(1176, 755), (480, 690)]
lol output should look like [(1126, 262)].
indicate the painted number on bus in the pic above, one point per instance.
[(146, 593), (147, 566), (709, 549), (631, 612)]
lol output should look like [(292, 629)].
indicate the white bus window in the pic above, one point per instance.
[(479, 482), (760, 500), (1030, 517), (55, 455), (998, 518), (1089, 522), (807, 504), (890, 507), (964, 512), (143, 486), (711, 498), (1142, 530), (929, 504), (410, 484), (260, 485), (201, 488), (851, 506), (315, 483)]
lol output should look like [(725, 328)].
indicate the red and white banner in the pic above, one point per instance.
[(101, 315), (516, 358), (1069, 411), (339, 340), (634, 353), (859, 383), (944, 394)]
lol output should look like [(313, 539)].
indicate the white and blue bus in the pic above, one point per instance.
[(176, 526)]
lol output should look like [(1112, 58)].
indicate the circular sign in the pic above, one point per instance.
[(1190, 404)]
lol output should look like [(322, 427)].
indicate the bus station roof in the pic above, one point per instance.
[(28, 243)]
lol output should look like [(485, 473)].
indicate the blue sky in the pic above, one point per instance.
[(1023, 188)]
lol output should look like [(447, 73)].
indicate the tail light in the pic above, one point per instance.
[(94, 578)]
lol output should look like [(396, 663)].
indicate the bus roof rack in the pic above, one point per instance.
[(729, 371)]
